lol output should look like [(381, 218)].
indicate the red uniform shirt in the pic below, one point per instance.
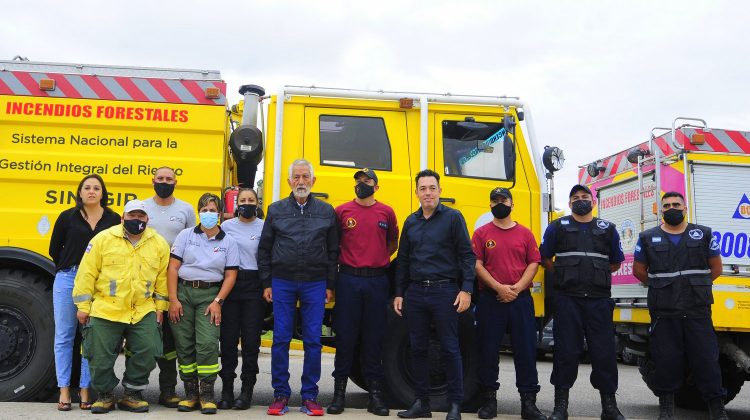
[(505, 253), (365, 233)]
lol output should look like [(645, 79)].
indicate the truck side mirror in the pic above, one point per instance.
[(509, 156)]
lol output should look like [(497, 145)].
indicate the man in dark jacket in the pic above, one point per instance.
[(297, 259)]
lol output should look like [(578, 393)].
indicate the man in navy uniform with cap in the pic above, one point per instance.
[(586, 250), (679, 261)]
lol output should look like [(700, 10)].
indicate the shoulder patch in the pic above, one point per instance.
[(602, 224), (696, 234), (637, 248), (88, 247), (714, 245)]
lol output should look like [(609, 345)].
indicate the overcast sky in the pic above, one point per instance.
[(598, 75)]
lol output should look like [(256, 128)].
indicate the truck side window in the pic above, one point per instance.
[(356, 142), (474, 149)]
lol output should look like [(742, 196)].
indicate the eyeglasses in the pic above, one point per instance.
[(671, 205)]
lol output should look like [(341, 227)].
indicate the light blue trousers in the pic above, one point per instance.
[(66, 325)]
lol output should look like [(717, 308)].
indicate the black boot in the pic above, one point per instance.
[(609, 408), (227, 394), (529, 410), (339, 396), (560, 412), (488, 409), (377, 405), (454, 412), (420, 408), (716, 409), (245, 399), (666, 407)]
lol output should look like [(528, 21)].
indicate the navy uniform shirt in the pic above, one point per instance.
[(547, 248), (437, 248), (713, 250)]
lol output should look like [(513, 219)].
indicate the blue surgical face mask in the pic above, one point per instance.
[(209, 219)]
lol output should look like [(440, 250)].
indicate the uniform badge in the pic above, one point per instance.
[(656, 239), (88, 247), (383, 225), (351, 222), (564, 222), (603, 224), (490, 244), (714, 245), (696, 234)]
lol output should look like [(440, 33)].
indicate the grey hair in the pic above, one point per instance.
[(301, 162)]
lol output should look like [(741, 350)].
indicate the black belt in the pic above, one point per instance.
[(200, 284), (431, 283), (362, 272)]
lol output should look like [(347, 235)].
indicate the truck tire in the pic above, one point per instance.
[(688, 396), (397, 363), (27, 329)]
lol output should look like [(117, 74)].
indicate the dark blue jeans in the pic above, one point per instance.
[(312, 298), (360, 316), (494, 320), (423, 307), (672, 341), (576, 318)]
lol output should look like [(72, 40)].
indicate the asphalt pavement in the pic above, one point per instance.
[(634, 398)]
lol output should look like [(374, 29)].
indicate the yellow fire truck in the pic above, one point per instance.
[(711, 168), (59, 122)]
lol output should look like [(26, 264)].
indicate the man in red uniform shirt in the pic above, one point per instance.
[(369, 236), (507, 261)]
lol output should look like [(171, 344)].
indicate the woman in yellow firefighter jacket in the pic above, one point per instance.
[(202, 271), (121, 291)]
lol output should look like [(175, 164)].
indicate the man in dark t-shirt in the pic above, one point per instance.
[(507, 261), (369, 236)]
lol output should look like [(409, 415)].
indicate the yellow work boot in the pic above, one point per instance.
[(168, 398), (208, 403), (133, 402), (104, 404), (191, 401)]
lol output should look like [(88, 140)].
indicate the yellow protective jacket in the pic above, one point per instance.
[(120, 282)]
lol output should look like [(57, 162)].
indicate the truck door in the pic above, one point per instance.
[(470, 158), (340, 141), (618, 203)]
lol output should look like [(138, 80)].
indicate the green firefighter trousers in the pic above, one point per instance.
[(195, 338), (101, 343)]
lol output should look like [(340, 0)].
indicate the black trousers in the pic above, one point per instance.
[(493, 320), (433, 306), (577, 318), (677, 343), (360, 317), (242, 322)]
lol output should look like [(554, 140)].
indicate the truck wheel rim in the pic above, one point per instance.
[(17, 342)]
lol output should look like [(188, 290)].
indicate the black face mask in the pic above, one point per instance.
[(500, 211), (134, 226), (674, 217), (581, 207), (163, 189), (247, 211), (364, 190)]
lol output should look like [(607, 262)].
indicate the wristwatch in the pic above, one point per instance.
[(220, 301)]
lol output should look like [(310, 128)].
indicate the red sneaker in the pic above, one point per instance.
[(311, 408), (279, 406)]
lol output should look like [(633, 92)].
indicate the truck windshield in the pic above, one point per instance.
[(474, 149)]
